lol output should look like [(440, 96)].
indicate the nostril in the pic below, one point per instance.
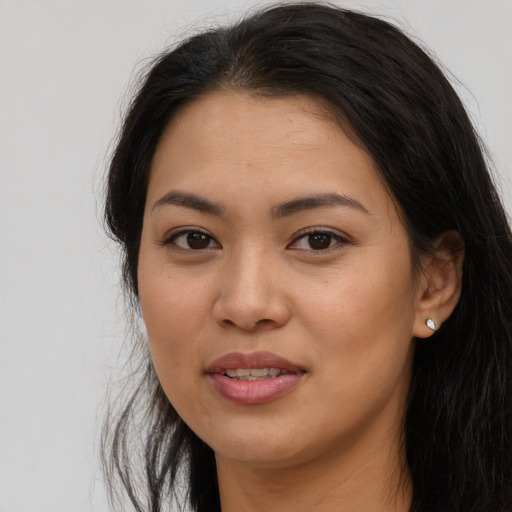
[(249, 325), (264, 321)]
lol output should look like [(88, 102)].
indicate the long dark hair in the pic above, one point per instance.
[(391, 96)]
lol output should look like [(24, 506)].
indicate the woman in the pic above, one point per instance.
[(323, 268)]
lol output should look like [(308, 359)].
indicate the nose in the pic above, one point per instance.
[(252, 294)]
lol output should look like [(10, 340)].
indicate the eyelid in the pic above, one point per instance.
[(342, 238), (175, 233)]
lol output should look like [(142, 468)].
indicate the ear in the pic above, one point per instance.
[(439, 284)]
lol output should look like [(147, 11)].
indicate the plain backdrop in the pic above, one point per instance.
[(65, 69)]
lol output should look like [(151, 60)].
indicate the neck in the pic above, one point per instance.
[(372, 479)]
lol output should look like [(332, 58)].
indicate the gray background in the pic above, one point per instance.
[(65, 67)]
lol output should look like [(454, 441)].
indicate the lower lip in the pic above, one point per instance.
[(253, 392)]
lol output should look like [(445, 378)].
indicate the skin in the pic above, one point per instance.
[(346, 314)]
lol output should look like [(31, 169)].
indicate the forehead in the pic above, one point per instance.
[(228, 117), (236, 136)]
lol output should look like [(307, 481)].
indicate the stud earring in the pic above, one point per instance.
[(431, 324)]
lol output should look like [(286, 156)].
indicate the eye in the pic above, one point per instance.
[(318, 240), (192, 240)]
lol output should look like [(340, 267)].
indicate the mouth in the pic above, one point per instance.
[(252, 364), (254, 378), (250, 374)]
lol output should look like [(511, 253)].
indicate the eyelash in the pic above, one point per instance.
[(171, 240), (338, 239)]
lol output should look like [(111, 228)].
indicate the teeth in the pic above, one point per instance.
[(259, 372), (254, 373)]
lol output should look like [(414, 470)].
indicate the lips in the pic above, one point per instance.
[(254, 378), (252, 360)]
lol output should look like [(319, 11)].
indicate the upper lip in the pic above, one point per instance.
[(251, 360)]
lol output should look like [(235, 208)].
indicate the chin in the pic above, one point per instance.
[(254, 456), (260, 449)]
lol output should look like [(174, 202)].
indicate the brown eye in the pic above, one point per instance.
[(319, 241), (192, 240), (197, 240)]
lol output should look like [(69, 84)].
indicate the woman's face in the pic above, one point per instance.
[(275, 282)]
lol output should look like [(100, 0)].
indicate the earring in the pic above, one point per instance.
[(431, 324)]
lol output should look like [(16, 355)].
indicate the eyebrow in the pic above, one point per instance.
[(285, 209), (317, 201), (192, 201)]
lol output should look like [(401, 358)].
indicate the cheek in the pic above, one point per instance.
[(170, 310), (363, 296), (172, 302), (174, 312), (173, 323), (364, 318)]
